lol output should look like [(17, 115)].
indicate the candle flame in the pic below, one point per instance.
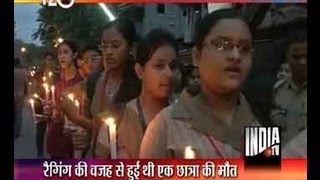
[(50, 74), (35, 95), (45, 85), (71, 96), (32, 73), (109, 121), (189, 153), (44, 78), (77, 103)]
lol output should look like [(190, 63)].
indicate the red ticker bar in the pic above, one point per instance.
[(155, 169)]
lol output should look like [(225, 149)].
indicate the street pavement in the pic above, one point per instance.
[(25, 145)]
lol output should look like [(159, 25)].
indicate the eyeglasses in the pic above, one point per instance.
[(245, 48), (94, 58)]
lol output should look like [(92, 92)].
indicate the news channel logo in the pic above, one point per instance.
[(262, 147), (66, 4)]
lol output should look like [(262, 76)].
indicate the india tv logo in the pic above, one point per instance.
[(262, 147)]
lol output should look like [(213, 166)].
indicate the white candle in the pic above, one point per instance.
[(46, 88), (112, 134), (77, 104), (52, 88), (31, 101), (189, 153)]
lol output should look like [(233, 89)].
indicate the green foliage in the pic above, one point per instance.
[(81, 23), (33, 54)]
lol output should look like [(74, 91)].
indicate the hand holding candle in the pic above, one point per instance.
[(46, 88), (52, 88), (35, 95), (68, 125), (47, 108), (77, 104), (74, 129), (189, 153), (112, 134)]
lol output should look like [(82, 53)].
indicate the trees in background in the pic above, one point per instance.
[(82, 23)]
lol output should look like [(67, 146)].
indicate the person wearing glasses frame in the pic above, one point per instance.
[(289, 109), (91, 60), (212, 121)]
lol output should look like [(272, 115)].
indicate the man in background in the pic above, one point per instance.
[(20, 94), (290, 98)]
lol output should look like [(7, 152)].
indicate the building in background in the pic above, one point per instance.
[(176, 18), (270, 23), (179, 19)]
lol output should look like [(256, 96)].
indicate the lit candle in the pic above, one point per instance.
[(52, 88), (77, 104), (31, 101), (32, 73), (189, 153), (44, 79), (46, 88), (35, 95), (112, 134), (71, 97), (50, 74)]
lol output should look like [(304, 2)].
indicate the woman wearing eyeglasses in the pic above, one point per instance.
[(91, 64), (155, 64), (212, 122), (117, 82), (91, 59)]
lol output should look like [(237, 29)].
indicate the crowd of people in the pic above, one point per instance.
[(158, 108)]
